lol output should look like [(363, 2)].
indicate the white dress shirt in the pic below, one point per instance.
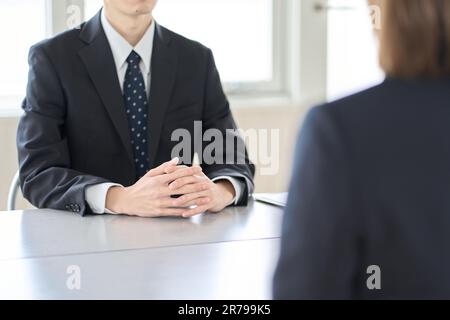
[(96, 195)]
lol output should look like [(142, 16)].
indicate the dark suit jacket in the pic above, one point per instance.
[(371, 186), (74, 132)]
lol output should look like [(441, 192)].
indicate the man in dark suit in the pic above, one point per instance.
[(102, 103)]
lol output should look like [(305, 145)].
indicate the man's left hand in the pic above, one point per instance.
[(214, 197)]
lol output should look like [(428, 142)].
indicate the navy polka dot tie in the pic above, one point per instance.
[(136, 105)]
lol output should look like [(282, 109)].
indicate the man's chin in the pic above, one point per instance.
[(143, 10)]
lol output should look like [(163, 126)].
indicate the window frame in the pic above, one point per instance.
[(10, 105), (278, 83), (290, 48)]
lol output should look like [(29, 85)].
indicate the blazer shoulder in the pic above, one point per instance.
[(68, 39), (349, 114), (186, 45), (359, 105), (357, 98)]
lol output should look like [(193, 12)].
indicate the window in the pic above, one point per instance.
[(352, 48), (247, 38), (91, 7), (26, 23), (239, 32)]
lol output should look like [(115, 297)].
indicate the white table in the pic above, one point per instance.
[(230, 255)]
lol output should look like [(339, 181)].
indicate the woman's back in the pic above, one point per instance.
[(369, 206), (371, 187)]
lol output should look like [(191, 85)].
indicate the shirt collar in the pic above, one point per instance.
[(121, 49)]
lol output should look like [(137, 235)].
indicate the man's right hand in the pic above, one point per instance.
[(151, 195)]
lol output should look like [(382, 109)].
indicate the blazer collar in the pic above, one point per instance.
[(93, 28), (99, 62)]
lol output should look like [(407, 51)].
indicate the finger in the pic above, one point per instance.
[(187, 198), (171, 169), (161, 169), (192, 188), (203, 175), (164, 212), (165, 202), (171, 212), (192, 212), (184, 181), (168, 178), (197, 202)]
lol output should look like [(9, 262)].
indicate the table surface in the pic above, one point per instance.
[(230, 255)]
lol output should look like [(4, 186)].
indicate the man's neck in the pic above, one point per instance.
[(131, 27)]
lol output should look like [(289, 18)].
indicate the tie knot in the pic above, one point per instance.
[(133, 58)]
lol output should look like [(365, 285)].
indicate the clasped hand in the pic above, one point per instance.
[(151, 196)]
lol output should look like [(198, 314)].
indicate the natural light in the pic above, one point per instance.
[(242, 47), (27, 19), (352, 49)]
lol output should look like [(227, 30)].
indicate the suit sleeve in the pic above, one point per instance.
[(319, 246), (46, 177), (234, 161)]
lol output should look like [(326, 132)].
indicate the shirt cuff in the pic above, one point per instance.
[(96, 197), (237, 185)]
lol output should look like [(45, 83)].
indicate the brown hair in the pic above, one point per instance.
[(415, 38)]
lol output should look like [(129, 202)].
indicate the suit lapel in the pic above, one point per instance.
[(163, 73), (98, 59), (99, 62)]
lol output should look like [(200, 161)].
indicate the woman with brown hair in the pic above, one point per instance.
[(368, 215)]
